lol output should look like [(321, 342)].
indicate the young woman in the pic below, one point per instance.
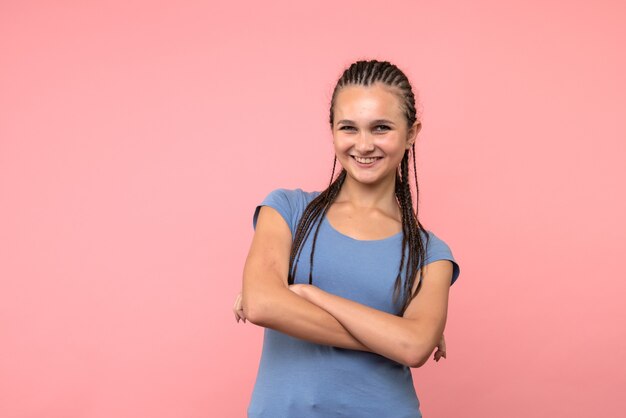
[(350, 287)]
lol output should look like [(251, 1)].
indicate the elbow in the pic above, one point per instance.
[(419, 362), (417, 355), (253, 312), (415, 359), (260, 305), (256, 311), (420, 346)]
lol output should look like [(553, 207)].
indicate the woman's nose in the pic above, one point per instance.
[(364, 143)]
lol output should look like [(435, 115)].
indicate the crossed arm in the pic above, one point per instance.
[(308, 312)]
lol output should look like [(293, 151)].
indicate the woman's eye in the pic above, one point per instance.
[(378, 128)]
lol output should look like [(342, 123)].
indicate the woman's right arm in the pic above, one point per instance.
[(266, 298)]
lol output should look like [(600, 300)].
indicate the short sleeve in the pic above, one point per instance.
[(283, 201), (438, 250)]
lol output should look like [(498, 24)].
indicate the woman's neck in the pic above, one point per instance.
[(381, 196)]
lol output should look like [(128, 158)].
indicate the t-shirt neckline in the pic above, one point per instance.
[(337, 232)]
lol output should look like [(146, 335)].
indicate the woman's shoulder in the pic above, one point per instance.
[(438, 249), (296, 196), (430, 235), (290, 203), (433, 239)]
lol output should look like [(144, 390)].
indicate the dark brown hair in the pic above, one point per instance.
[(366, 73)]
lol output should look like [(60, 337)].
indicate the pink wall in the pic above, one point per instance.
[(135, 142)]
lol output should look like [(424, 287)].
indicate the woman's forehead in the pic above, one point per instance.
[(356, 101)]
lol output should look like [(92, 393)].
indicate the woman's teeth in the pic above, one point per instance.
[(366, 160)]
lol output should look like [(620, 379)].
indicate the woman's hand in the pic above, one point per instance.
[(298, 289), (441, 349), (308, 292), (238, 309)]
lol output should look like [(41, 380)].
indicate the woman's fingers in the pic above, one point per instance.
[(441, 349), (235, 307), (238, 309)]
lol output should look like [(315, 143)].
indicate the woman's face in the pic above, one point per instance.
[(370, 132)]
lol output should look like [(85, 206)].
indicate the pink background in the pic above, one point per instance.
[(136, 140)]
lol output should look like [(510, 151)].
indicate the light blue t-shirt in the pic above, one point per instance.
[(300, 379)]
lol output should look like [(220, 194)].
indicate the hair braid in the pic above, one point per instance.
[(312, 212)]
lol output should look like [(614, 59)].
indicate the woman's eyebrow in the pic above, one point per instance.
[(382, 121), (374, 122)]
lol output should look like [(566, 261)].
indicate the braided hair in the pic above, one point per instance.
[(366, 73)]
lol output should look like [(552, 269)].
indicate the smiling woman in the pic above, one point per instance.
[(341, 343)]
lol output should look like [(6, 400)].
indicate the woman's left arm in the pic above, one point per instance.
[(407, 339)]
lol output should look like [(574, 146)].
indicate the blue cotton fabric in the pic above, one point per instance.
[(300, 379)]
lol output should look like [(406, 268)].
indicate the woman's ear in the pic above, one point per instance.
[(412, 134)]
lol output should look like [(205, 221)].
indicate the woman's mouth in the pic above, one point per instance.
[(365, 161)]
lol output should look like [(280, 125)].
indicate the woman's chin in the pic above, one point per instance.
[(366, 178)]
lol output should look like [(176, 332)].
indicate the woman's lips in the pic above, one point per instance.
[(366, 165)]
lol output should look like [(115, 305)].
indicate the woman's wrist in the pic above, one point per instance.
[(315, 295), (306, 291)]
